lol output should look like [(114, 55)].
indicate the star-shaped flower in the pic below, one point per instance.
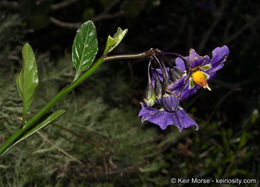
[(201, 70)]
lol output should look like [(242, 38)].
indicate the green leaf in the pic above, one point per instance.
[(112, 43), (254, 116), (243, 140), (85, 47), (27, 81), (29, 132)]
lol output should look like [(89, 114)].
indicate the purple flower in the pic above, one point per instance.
[(201, 70), (160, 107), (168, 85), (164, 118), (168, 113)]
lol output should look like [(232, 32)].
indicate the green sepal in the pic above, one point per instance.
[(205, 75), (112, 43), (206, 67)]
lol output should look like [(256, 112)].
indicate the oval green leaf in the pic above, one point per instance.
[(27, 81), (39, 126), (85, 47)]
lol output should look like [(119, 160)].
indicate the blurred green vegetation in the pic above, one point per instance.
[(100, 141)]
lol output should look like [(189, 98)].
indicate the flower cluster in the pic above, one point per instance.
[(170, 83)]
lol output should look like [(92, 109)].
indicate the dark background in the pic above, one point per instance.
[(104, 142)]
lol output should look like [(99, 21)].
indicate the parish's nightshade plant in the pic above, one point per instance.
[(168, 83)]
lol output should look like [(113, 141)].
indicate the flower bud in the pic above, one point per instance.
[(150, 96), (158, 87)]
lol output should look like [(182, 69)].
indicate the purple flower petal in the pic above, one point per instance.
[(186, 120), (158, 117), (177, 121), (194, 59), (183, 89), (160, 75), (163, 118), (206, 60), (219, 55), (146, 110), (170, 103), (176, 85), (187, 92), (180, 64), (215, 68)]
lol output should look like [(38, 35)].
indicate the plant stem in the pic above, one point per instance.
[(30, 124), (130, 56), (48, 106)]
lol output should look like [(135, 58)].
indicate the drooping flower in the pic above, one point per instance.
[(164, 118), (163, 111), (201, 70)]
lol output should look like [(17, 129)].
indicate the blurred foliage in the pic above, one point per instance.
[(10, 32), (101, 121)]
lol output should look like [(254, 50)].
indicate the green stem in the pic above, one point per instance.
[(30, 124), (47, 107)]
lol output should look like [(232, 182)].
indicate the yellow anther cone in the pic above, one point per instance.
[(200, 79)]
